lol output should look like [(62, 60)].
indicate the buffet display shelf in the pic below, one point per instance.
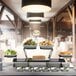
[(37, 48)]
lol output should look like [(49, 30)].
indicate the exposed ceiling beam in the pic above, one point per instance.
[(8, 8), (2, 8), (10, 20), (1, 12), (62, 9), (11, 11), (16, 20), (69, 12), (60, 19), (0, 4), (69, 7), (15, 24)]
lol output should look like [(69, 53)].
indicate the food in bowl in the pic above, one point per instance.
[(10, 52), (66, 53), (30, 42), (46, 43)]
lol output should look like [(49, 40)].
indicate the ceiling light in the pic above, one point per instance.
[(35, 21), (38, 18), (35, 18), (35, 15), (36, 5)]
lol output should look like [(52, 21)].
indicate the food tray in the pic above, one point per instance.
[(46, 47), (30, 46)]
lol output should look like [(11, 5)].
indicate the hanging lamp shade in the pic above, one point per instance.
[(36, 5), (35, 15)]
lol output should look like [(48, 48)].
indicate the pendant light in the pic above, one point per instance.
[(36, 6), (35, 17)]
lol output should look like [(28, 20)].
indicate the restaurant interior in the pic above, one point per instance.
[(37, 37)]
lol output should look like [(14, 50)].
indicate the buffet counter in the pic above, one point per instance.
[(11, 69), (37, 61)]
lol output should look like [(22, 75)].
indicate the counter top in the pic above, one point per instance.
[(37, 73)]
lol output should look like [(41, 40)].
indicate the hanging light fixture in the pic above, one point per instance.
[(35, 15), (36, 5), (35, 21)]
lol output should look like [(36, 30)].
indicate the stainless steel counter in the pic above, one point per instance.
[(70, 73), (8, 69)]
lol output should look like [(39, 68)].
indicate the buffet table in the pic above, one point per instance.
[(9, 69), (43, 67)]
